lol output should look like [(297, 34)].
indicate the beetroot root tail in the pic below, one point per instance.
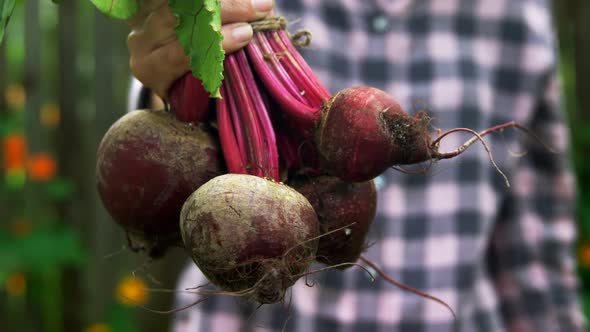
[(479, 137), (387, 278)]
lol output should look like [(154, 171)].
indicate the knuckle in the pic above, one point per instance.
[(131, 41), (175, 55), (135, 68), (140, 71), (236, 10), (169, 21)]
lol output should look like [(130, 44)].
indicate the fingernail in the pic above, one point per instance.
[(262, 6), (242, 33)]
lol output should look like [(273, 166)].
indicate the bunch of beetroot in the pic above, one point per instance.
[(259, 184)]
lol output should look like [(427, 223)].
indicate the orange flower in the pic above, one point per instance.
[(98, 327), (15, 96), (584, 255), (42, 167), (15, 151), (50, 115), (132, 291), (16, 284), (21, 227)]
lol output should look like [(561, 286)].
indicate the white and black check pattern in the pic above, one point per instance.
[(502, 257)]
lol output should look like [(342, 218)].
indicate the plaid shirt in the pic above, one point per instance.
[(501, 257)]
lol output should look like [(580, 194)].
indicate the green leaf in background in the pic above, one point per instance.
[(59, 189), (6, 8), (117, 8), (15, 179), (199, 33), (45, 247), (120, 318)]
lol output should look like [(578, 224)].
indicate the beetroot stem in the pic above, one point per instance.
[(306, 88), (189, 100), (246, 132), (270, 155), (302, 115), (237, 126), (234, 159), (242, 92), (292, 51), (299, 69), (272, 58)]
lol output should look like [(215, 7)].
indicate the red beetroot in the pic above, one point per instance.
[(148, 163), (348, 208), (250, 235), (362, 132), (358, 133)]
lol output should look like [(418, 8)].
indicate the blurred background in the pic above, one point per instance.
[(63, 81)]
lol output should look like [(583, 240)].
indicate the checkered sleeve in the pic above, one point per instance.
[(531, 247)]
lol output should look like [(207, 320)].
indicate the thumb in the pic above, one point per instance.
[(236, 36)]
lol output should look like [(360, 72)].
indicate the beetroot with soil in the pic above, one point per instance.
[(148, 163), (250, 235), (345, 212)]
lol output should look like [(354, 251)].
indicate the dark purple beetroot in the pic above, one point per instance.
[(339, 204), (148, 163), (248, 233), (362, 132)]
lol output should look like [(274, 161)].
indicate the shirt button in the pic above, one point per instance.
[(380, 23)]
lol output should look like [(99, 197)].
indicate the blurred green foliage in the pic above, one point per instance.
[(52, 260), (37, 244), (572, 47)]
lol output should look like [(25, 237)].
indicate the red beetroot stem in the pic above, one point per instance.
[(283, 59), (234, 159), (301, 114), (288, 150), (305, 79), (300, 99), (273, 61), (238, 89), (298, 59), (189, 100), (270, 156), (257, 137), (237, 127)]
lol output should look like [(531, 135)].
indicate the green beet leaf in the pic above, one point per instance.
[(117, 8), (199, 33), (6, 8)]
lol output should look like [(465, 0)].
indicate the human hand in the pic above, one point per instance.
[(156, 57)]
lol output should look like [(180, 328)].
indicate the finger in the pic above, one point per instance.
[(147, 7), (156, 30), (159, 26), (244, 10), (160, 68), (236, 36)]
